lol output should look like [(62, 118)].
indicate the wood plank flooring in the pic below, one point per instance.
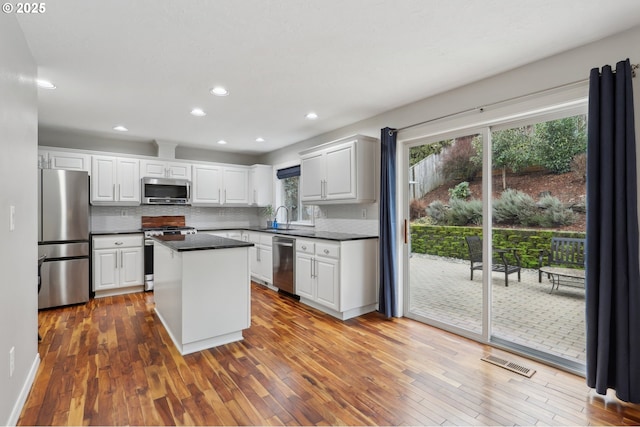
[(110, 362)]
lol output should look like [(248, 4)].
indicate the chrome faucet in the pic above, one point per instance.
[(275, 217)]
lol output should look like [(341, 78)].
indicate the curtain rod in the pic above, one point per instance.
[(634, 67)]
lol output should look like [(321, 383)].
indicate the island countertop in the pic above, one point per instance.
[(199, 242)]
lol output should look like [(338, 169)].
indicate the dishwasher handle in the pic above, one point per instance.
[(285, 244)]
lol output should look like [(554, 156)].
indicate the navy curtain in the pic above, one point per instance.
[(613, 278), (388, 255)]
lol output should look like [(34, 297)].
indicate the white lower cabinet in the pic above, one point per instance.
[(339, 278), (118, 264), (261, 257), (317, 272)]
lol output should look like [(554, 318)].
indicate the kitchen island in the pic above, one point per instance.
[(202, 289)]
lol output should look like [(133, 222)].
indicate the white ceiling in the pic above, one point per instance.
[(146, 63)]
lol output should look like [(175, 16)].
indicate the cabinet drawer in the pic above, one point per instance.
[(266, 239), (305, 247), (328, 250), (117, 241)]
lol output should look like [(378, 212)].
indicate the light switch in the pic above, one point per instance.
[(12, 218)]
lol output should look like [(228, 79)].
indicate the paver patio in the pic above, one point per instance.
[(524, 312)]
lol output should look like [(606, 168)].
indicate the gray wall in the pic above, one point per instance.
[(18, 259)]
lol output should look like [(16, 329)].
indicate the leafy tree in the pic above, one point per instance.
[(511, 149), (559, 141)]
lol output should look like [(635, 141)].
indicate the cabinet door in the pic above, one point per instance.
[(266, 263), (69, 161), (341, 172), (236, 186), (206, 185), (304, 280), (105, 269), (153, 168), (128, 175), (313, 172), (103, 179), (261, 185), (254, 262), (179, 170), (327, 282), (131, 266)]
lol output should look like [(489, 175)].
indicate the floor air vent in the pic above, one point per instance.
[(513, 367)]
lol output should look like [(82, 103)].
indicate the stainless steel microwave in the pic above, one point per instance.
[(166, 191)]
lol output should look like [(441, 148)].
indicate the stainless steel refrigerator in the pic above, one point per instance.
[(63, 237)]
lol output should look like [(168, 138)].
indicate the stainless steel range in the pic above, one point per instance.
[(149, 232)]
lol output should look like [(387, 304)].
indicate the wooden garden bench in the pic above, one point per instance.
[(563, 263), (499, 263)]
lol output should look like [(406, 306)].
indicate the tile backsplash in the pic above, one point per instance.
[(358, 219), (337, 218), (123, 218)]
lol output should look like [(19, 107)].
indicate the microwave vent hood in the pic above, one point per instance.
[(165, 191)]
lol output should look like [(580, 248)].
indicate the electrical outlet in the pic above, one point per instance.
[(123, 212), (12, 361), (364, 213)]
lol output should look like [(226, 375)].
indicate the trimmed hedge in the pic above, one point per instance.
[(448, 241)]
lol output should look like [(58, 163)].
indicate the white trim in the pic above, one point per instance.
[(24, 393)]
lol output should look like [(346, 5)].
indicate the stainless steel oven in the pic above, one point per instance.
[(148, 248)]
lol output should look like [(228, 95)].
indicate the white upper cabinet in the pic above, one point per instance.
[(115, 181), (343, 171), (220, 185), (260, 185), (235, 180), (165, 169), (48, 159)]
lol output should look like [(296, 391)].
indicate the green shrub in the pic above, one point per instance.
[(514, 207), (460, 191), (554, 212), (437, 211), (462, 212)]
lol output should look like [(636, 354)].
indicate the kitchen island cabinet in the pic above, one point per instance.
[(201, 300)]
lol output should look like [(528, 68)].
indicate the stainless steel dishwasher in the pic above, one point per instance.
[(284, 264)]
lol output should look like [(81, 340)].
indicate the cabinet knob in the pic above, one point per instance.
[(326, 251), (119, 243), (304, 248)]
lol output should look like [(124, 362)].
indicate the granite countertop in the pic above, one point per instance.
[(199, 242), (301, 232), (103, 233)]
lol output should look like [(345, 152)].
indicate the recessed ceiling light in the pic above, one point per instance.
[(311, 116), (259, 139), (120, 128), (45, 84), (198, 112), (219, 91), (222, 142)]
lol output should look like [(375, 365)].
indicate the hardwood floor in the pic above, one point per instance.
[(110, 362)]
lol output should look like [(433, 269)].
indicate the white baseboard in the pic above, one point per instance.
[(24, 393)]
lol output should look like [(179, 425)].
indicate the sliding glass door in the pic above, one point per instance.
[(522, 184), (445, 205)]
